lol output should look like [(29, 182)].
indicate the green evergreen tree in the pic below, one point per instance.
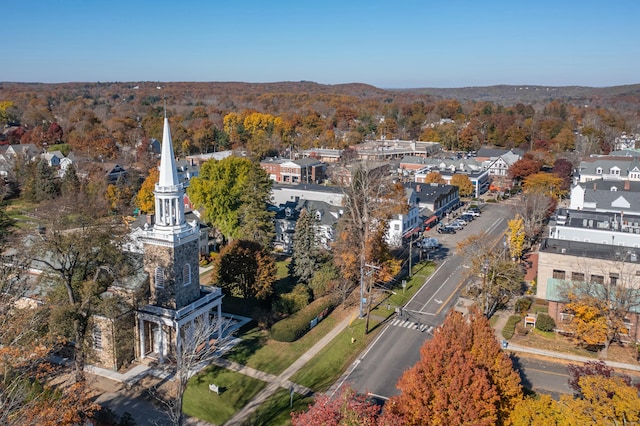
[(307, 255)]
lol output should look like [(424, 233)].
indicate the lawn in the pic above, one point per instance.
[(257, 350), (327, 366), (276, 411), (236, 391)]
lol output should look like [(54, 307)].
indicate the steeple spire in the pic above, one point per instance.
[(168, 170)]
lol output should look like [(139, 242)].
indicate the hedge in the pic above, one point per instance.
[(510, 327), (295, 326)]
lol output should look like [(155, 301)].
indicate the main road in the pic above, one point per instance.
[(397, 346)]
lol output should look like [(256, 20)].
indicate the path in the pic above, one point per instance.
[(282, 381)]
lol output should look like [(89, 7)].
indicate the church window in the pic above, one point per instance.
[(159, 277), (96, 333), (186, 274)]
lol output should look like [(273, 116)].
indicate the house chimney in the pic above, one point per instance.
[(149, 219), (627, 185), (417, 188)]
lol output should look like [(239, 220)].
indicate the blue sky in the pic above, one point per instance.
[(401, 44)]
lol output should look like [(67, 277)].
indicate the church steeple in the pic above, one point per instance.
[(169, 192)]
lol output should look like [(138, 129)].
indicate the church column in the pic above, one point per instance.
[(143, 349), (219, 320), (161, 344)]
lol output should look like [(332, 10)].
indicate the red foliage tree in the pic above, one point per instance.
[(462, 377), (345, 408)]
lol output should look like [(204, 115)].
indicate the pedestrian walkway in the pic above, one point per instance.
[(502, 320), (411, 325), (282, 381)]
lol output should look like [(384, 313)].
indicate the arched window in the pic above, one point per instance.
[(159, 277), (186, 274)]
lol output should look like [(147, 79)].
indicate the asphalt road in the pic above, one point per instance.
[(397, 347)]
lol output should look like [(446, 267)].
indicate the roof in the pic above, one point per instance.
[(309, 187), (429, 192), (306, 162), (493, 152)]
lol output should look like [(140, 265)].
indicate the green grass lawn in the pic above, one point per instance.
[(237, 391), (276, 411), (257, 350), (327, 366)]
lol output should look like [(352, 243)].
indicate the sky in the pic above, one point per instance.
[(388, 44)]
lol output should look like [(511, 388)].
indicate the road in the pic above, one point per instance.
[(397, 347)]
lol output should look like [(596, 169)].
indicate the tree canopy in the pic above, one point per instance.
[(228, 190), (462, 377)]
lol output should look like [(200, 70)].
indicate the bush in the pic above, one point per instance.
[(294, 327), (544, 322), (289, 303), (522, 305), (522, 330), (510, 327)]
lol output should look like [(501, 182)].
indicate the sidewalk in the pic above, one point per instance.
[(502, 320), (282, 381)]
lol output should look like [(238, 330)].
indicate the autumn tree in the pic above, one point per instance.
[(516, 237), (524, 167), (546, 184), (78, 254), (145, 198), (345, 408), (462, 377), (371, 199), (601, 300), (233, 193), (434, 177), (464, 184), (245, 269)]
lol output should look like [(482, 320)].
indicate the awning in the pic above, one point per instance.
[(411, 232), (432, 219)]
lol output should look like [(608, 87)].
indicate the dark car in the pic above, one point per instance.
[(467, 217), (446, 230)]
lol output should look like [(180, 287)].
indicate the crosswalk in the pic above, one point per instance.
[(412, 325)]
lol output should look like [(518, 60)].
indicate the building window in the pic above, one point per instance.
[(396, 227), (186, 274), (159, 277), (613, 278), (597, 279), (557, 274), (96, 334), (577, 277), (599, 171)]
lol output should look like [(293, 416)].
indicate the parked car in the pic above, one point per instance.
[(430, 243), (473, 212), (461, 221), (456, 225), (446, 230), (467, 217)]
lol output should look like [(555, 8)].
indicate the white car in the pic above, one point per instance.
[(473, 213)]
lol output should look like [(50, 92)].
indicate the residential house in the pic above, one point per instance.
[(199, 159)]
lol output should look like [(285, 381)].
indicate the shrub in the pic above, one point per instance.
[(544, 322), (294, 327), (522, 330), (289, 303), (522, 305), (510, 327)]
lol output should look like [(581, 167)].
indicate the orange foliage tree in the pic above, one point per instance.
[(462, 377)]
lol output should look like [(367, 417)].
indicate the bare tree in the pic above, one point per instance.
[(501, 277), (534, 209), (199, 343)]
